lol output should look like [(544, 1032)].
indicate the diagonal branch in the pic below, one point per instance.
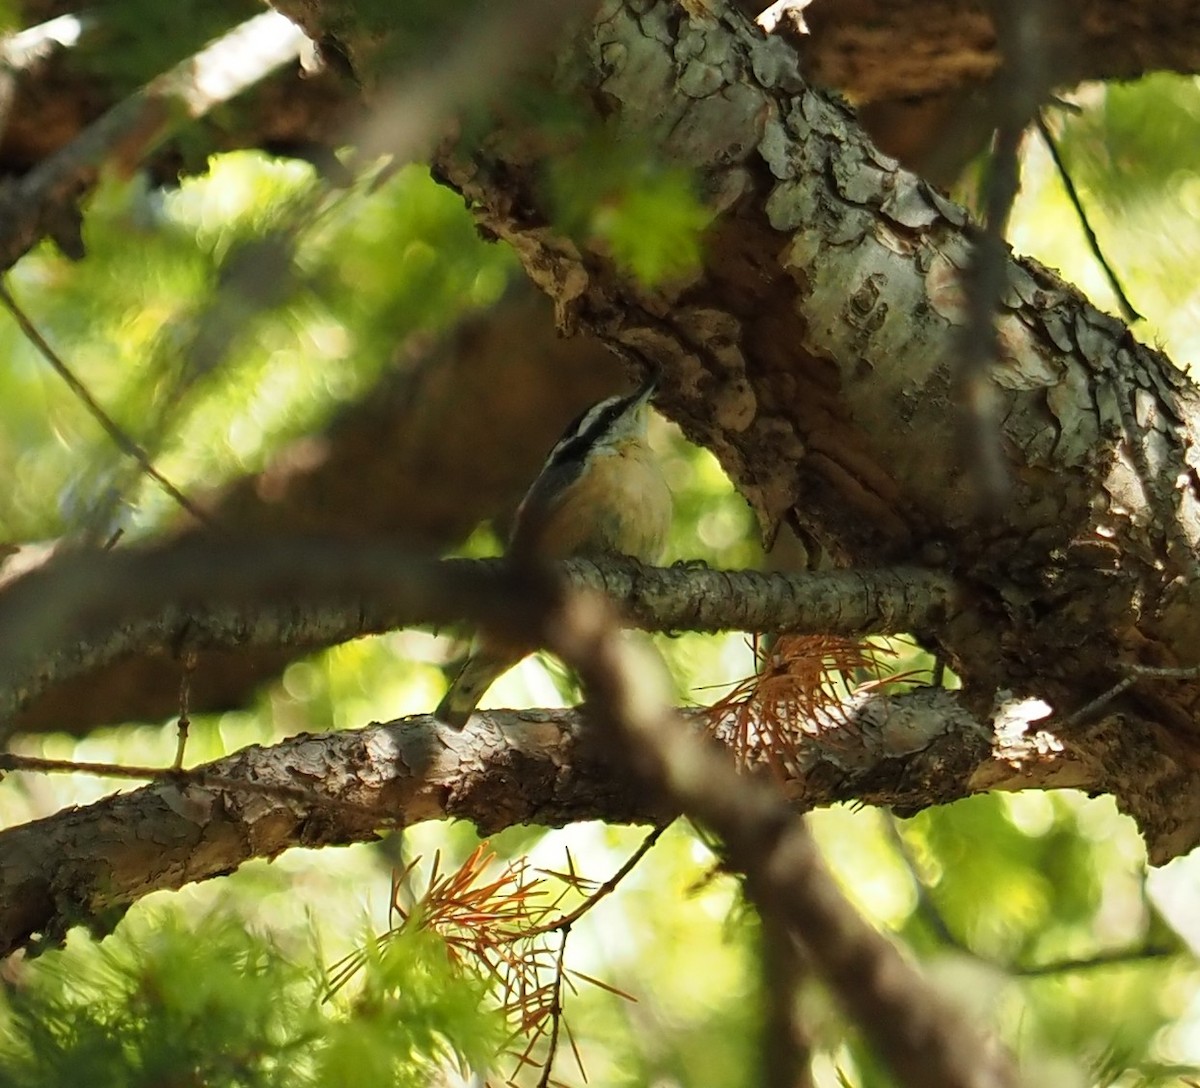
[(493, 368), (786, 1040), (43, 202), (120, 439), (926, 1041)]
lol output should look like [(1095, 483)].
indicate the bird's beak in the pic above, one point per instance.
[(646, 393)]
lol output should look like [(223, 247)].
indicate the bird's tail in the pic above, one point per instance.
[(481, 669)]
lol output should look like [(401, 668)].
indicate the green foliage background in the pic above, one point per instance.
[(1007, 900)]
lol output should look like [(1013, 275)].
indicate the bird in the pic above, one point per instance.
[(601, 491)]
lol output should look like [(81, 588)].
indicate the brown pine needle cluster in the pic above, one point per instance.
[(507, 925), (800, 690)]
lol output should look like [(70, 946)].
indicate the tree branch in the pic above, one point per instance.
[(866, 49), (44, 201), (927, 1041), (814, 354), (83, 610), (507, 767), (501, 380), (124, 442)]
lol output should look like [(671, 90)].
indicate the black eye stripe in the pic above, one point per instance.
[(575, 443)]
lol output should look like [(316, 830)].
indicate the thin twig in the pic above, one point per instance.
[(10, 761), (120, 439), (1127, 311), (1120, 957), (499, 925), (607, 888), (929, 911), (185, 690), (926, 907), (1022, 83), (556, 1011), (1133, 673), (1161, 672), (979, 429)]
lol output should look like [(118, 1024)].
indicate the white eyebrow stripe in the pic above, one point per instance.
[(579, 438), (594, 413)]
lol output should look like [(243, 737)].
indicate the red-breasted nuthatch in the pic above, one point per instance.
[(599, 492)]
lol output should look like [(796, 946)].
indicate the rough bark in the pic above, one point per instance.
[(507, 767), (80, 612), (914, 67), (814, 353), (907, 751)]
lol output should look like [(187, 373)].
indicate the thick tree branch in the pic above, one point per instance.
[(85, 865), (880, 50), (814, 354), (83, 610), (509, 767), (917, 66), (362, 782)]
